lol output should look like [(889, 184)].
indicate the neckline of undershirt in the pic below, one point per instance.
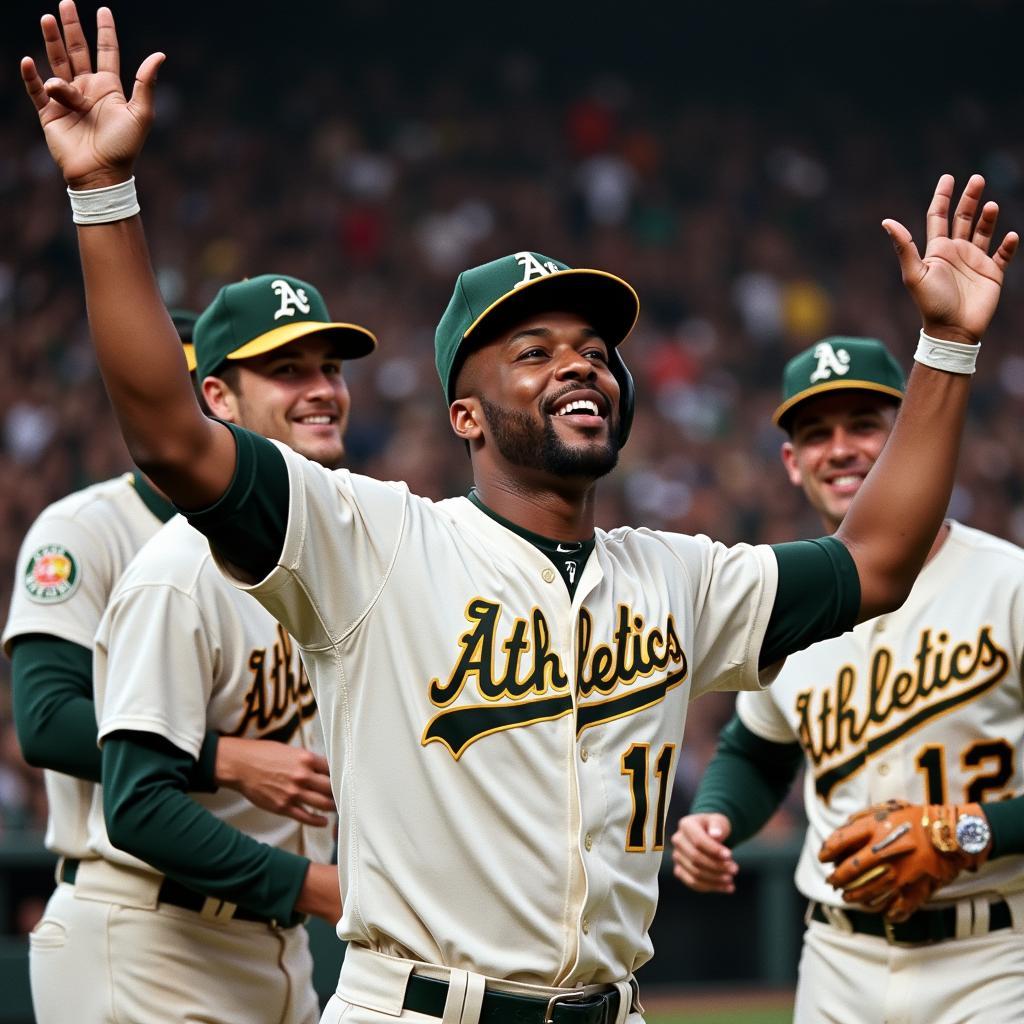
[(568, 557)]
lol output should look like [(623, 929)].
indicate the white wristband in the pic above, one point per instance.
[(951, 356), (104, 205)]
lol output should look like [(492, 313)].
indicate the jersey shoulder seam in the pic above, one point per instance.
[(385, 579)]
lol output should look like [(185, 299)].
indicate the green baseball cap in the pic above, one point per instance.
[(502, 292), (259, 314), (836, 364)]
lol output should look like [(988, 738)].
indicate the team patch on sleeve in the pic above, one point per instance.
[(52, 574)]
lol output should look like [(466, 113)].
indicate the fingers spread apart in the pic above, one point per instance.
[(74, 39)]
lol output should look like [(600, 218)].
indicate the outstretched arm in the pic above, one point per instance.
[(893, 520), (95, 136)]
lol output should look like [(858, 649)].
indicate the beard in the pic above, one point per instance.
[(523, 442)]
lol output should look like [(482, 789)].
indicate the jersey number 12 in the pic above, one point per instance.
[(931, 762)]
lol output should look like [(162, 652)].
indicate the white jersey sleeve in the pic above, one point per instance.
[(64, 575), (342, 540), (734, 589), (137, 660)]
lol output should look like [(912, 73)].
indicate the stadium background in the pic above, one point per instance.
[(732, 161)]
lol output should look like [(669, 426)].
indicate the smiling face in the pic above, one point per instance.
[(835, 439), (540, 401), (295, 394)]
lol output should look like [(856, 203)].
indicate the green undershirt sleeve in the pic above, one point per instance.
[(818, 596), (746, 780), (55, 715), (149, 815), (1006, 819), (247, 524)]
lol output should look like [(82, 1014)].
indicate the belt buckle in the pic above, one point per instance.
[(576, 996), (218, 910), (890, 937)]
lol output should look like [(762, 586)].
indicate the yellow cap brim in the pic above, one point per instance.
[(358, 341), (190, 356), (833, 385)]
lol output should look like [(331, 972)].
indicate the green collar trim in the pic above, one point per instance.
[(545, 544), (156, 503)]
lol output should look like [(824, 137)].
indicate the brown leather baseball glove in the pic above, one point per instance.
[(891, 857)]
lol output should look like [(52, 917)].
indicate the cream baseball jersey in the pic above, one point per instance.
[(69, 561), (501, 756), (924, 704), (180, 652)]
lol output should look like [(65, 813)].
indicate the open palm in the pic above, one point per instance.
[(94, 134), (957, 284)]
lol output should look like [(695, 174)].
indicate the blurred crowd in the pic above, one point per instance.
[(749, 227)]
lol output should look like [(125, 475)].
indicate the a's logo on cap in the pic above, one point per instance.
[(292, 300), (830, 361), (533, 268), (52, 574)]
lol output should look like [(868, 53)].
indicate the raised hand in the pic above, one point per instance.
[(957, 284), (700, 858), (93, 132)]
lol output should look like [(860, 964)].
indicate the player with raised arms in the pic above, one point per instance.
[(503, 687)]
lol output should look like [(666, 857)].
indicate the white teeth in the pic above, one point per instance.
[(580, 405), (845, 481), (316, 420)]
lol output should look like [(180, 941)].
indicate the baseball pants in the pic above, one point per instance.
[(848, 978), (106, 953), (372, 987)]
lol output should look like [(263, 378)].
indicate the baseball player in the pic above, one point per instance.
[(502, 687), (69, 561), (924, 707), (213, 882)]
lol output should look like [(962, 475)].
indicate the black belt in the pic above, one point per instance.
[(175, 893), (920, 929), (427, 995)]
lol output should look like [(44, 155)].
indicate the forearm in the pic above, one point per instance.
[(896, 515), (189, 456), (747, 780), (149, 815), (54, 714), (66, 742)]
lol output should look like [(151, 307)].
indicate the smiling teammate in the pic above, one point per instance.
[(502, 728), (69, 562), (215, 883), (923, 706)]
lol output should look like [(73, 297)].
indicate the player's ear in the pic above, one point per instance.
[(788, 453), (220, 399), (466, 417)]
